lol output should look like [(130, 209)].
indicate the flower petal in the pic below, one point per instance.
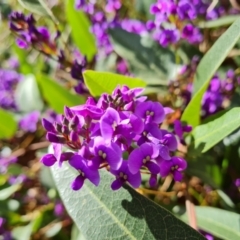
[(135, 160), (48, 160), (77, 183), (134, 179), (116, 184), (152, 167)]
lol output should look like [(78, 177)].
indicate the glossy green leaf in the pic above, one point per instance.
[(81, 34), (220, 223), (206, 69), (105, 82), (56, 95), (101, 213), (38, 6), (8, 124), (7, 192), (27, 95), (209, 134), (223, 21), (146, 59)]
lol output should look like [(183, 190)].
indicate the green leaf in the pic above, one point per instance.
[(101, 213), (8, 124), (38, 6), (7, 192), (81, 34), (206, 69), (56, 95), (27, 95), (146, 59), (25, 232), (223, 21), (220, 223), (209, 134), (105, 82)]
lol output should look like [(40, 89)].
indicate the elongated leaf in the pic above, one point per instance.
[(7, 192), (146, 59), (209, 134), (105, 82), (24, 232), (223, 21), (81, 34), (56, 95), (27, 95), (220, 223), (38, 6), (101, 213), (206, 69), (8, 124)]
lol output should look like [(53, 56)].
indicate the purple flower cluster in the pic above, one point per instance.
[(29, 122), (109, 18), (174, 20), (121, 132), (8, 82), (30, 35), (217, 95)]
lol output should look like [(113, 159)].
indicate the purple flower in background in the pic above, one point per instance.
[(173, 166), (191, 34), (186, 10), (113, 5), (29, 122), (5, 162), (237, 182), (168, 36), (124, 175), (179, 129), (8, 81)]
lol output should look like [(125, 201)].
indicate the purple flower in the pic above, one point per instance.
[(108, 123), (29, 122), (186, 10), (150, 130), (124, 175), (145, 156), (191, 34), (150, 112), (104, 152), (80, 164), (168, 36), (179, 129), (237, 182), (174, 166), (113, 5)]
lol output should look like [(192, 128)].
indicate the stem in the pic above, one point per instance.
[(167, 194)]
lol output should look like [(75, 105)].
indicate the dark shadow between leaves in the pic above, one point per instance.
[(161, 223)]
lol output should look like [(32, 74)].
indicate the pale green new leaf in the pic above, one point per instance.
[(220, 223), (27, 95), (209, 134), (8, 191), (222, 21), (101, 213), (81, 34), (206, 69), (105, 82)]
